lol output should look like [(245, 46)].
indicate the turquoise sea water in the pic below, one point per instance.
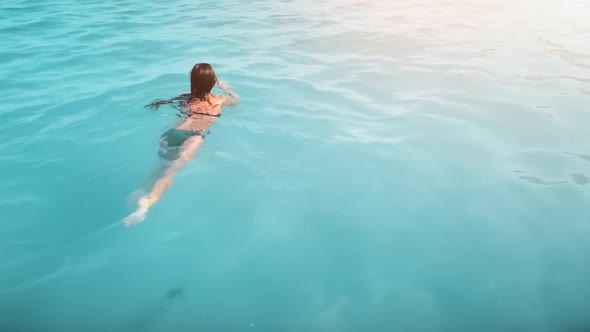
[(393, 166)]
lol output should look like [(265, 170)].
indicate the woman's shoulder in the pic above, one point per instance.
[(217, 100), (212, 102)]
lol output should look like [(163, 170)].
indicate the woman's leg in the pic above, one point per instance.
[(187, 153)]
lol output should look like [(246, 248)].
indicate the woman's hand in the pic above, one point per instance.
[(223, 85), (231, 97)]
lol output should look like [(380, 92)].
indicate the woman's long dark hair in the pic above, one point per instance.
[(203, 80)]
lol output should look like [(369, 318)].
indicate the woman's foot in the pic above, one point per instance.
[(135, 218), (139, 215)]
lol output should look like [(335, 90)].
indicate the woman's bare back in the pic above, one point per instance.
[(203, 113)]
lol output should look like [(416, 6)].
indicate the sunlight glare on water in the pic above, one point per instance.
[(392, 166)]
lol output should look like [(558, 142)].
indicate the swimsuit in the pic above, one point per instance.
[(173, 139), (189, 114)]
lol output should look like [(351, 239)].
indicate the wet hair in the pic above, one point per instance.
[(203, 80)]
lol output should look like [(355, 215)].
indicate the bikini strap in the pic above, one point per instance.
[(206, 114)]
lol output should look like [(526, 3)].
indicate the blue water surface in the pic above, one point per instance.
[(392, 166)]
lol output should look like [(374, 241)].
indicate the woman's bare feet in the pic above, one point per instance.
[(139, 215)]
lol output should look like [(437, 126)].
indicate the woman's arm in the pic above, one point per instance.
[(187, 153), (183, 97), (230, 98)]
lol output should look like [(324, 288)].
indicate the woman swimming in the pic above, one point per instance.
[(178, 145)]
